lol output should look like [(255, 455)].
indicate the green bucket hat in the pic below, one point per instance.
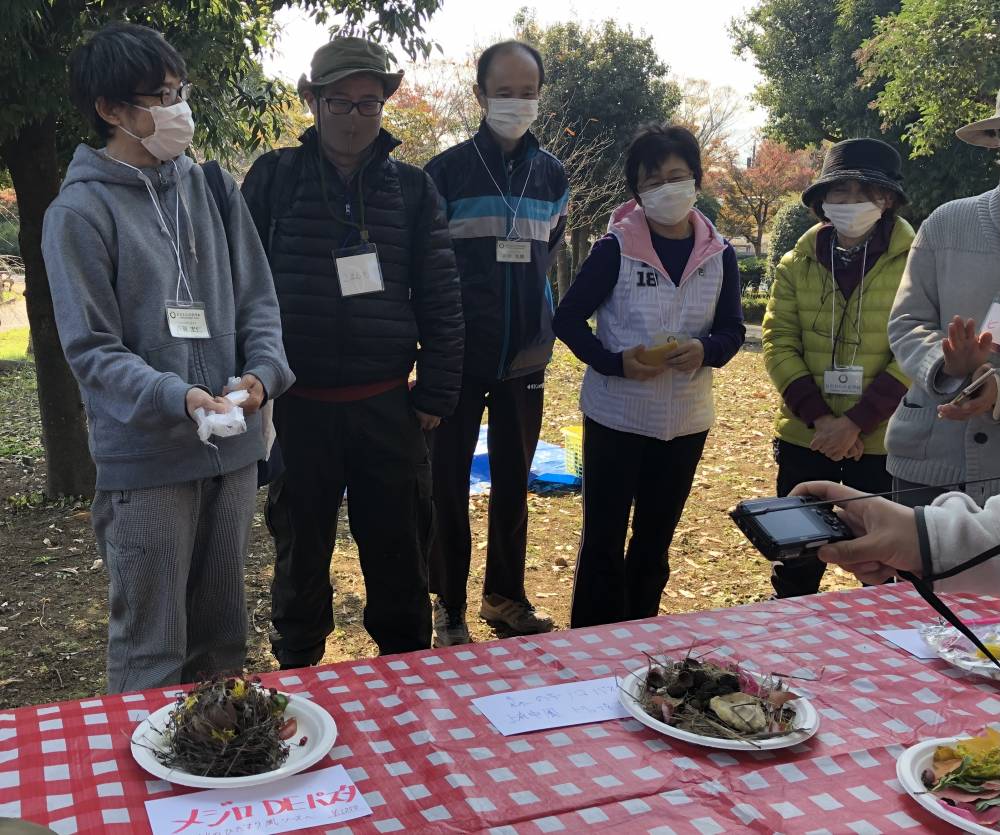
[(343, 57)]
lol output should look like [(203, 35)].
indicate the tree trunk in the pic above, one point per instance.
[(563, 273), (579, 241), (30, 156)]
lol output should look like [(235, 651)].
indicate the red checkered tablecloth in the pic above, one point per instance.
[(427, 761)]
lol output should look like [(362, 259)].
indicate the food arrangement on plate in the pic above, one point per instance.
[(718, 704), (233, 731), (966, 775), (960, 652), (230, 727), (957, 779)]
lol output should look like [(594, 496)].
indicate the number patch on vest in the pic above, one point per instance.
[(647, 278)]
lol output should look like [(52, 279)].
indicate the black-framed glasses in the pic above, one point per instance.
[(342, 107), (170, 95)]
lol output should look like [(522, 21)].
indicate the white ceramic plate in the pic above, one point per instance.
[(312, 721), (912, 763), (959, 651), (806, 721)]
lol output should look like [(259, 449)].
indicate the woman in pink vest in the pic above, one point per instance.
[(665, 289)]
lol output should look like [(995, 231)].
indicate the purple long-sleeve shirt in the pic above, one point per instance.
[(596, 280)]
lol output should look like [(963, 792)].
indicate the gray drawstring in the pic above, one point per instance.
[(192, 248)]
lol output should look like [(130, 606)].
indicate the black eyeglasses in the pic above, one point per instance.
[(170, 95), (341, 107)]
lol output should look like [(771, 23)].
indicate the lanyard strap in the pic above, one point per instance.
[(174, 244), (835, 331), (512, 209)]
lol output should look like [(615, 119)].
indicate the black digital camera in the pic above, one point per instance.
[(789, 528)]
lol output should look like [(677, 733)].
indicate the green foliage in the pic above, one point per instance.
[(754, 306), (790, 223), (708, 205), (222, 41), (600, 81), (807, 53), (19, 429), (751, 272), (937, 59), (8, 236), (14, 344)]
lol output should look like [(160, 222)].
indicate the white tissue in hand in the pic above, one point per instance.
[(223, 425)]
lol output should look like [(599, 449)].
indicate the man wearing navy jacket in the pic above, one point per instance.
[(506, 202)]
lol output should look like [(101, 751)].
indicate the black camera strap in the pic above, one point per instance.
[(924, 586)]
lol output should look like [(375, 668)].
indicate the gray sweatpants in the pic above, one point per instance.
[(175, 557)]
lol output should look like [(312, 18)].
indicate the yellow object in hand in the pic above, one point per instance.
[(663, 347)]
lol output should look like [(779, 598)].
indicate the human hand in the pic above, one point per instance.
[(834, 436), (197, 398), (255, 390), (886, 533), (856, 451), (427, 422), (981, 402), (688, 356), (963, 350), (635, 369)]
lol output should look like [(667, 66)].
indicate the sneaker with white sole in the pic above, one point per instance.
[(519, 616), (450, 628)]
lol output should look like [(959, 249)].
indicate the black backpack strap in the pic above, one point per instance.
[(217, 185), (413, 186), (283, 183)]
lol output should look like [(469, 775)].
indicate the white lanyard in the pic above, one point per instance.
[(174, 244), (847, 303), (513, 234)]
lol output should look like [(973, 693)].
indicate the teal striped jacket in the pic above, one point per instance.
[(489, 197)]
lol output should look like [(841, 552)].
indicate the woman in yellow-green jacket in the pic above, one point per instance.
[(825, 334)]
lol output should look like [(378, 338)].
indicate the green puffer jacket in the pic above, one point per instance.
[(797, 328)]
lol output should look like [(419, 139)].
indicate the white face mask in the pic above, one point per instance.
[(511, 118), (852, 219), (173, 130), (670, 203)]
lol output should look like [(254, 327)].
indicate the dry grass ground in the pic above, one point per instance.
[(53, 605)]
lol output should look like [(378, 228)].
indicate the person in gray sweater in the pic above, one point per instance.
[(133, 243), (949, 284)]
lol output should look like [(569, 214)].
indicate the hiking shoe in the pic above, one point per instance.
[(518, 616), (450, 628)]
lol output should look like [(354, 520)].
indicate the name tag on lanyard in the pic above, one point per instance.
[(186, 320), (513, 252), (847, 380), (358, 270)]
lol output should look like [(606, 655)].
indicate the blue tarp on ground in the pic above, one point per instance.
[(548, 469)]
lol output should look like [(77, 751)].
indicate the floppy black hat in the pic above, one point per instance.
[(866, 160)]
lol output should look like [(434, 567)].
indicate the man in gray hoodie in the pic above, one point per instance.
[(162, 294)]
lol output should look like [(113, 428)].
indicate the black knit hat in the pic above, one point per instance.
[(866, 160)]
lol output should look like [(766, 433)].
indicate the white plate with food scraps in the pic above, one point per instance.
[(313, 724), (911, 765), (952, 646), (805, 723)]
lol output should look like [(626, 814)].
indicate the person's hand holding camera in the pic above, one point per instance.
[(886, 533)]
